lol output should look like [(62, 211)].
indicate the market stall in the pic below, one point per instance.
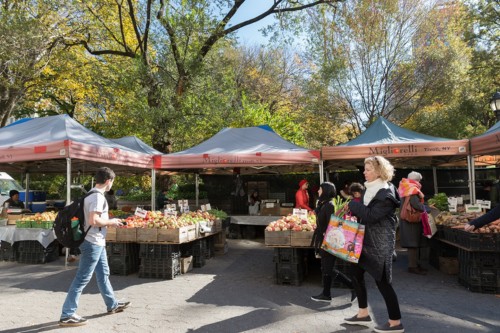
[(249, 150)]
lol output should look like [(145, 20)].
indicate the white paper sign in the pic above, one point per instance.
[(172, 206), (170, 212), (270, 204), (140, 212), (184, 209), (485, 204), (452, 204), (301, 213), (473, 208), (208, 207)]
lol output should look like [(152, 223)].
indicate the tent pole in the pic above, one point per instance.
[(27, 190), (153, 189), (68, 200), (321, 171), (434, 178), (472, 178), (197, 189)]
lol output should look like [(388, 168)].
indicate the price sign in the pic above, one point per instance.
[(301, 213), (485, 204), (140, 212), (452, 204), (473, 208)]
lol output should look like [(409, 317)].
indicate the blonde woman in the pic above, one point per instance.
[(377, 212)]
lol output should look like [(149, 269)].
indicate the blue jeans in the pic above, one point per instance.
[(93, 258)]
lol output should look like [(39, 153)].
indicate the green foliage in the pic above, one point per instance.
[(440, 201)]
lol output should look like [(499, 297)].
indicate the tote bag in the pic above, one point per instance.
[(429, 225), (408, 213), (344, 239)]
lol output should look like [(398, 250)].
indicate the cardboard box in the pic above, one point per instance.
[(285, 211), (449, 265), (186, 264), (273, 211), (277, 238), (12, 218), (301, 238)]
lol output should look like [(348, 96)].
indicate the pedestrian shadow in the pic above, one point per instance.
[(46, 327)]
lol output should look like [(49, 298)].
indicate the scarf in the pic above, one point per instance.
[(409, 187), (372, 188)]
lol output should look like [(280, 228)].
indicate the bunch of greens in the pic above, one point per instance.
[(440, 201), (340, 206), (220, 214)]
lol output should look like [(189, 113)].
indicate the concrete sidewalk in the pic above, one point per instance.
[(236, 292)]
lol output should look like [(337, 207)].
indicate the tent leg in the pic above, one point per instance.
[(153, 190), (472, 178), (434, 178), (197, 189), (321, 173), (68, 200)]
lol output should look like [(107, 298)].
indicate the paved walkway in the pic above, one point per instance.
[(236, 292)]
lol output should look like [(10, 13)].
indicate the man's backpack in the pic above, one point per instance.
[(69, 224)]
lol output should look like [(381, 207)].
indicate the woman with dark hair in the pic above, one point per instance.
[(323, 212)]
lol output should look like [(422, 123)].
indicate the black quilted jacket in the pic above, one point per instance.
[(380, 222)]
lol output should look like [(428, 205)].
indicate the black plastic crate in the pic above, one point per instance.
[(476, 241), (122, 249), (37, 258), (199, 247), (199, 261), (123, 265), (166, 268), (480, 276), (477, 288), (289, 255), (157, 251), (450, 234), (8, 252), (30, 246), (209, 247), (287, 273), (479, 259), (439, 249)]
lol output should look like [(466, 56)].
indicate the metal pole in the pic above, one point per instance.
[(472, 178), (434, 178), (321, 172), (27, 190), (153, 189), (68, 200), (197, 190)]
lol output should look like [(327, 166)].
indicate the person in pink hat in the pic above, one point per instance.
[(302, 196)]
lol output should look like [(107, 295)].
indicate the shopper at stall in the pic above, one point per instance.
[(356, 190), (302, 196), (323, 212), (344, 192), (377, 213), (411, 232), (13, 201), (111, 199), (483, 220), (93, 253), (254, 203)]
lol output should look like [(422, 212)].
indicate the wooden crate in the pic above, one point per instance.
[(179, 235), (126, 234), (278, 238), (147, 235), (12, 218), (301, 238), (191, 232), (285, 211), (111, 234), (186, 264)]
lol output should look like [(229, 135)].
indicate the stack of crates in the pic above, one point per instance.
[(159, 261), (341, 267), (440, 249), (209, 247), (290, 265), (123, 258), (8, 252), (32, 252), (479, 271), (197, 249)]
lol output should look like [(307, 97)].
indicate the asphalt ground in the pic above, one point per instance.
[(237, 292)]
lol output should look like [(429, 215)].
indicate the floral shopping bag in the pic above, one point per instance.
[(344, 239)]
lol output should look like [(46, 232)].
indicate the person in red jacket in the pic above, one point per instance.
[(302, 196)]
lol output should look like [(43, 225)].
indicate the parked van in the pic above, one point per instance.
[(7, 183)]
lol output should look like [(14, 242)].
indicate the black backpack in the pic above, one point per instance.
[(72, 233)]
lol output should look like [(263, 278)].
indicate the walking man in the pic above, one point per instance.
[(93, 253)]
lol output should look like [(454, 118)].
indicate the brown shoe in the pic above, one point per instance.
[(416, 270)]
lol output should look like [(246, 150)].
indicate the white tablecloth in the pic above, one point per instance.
[(11, 234)]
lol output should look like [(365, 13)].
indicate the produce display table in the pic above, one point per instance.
[(11, 234)]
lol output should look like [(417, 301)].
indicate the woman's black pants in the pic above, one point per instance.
[(330, 274), (388, 293)]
